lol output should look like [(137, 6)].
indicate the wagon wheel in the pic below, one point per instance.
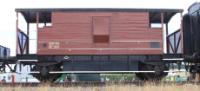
[(44, 75), (157, 76)]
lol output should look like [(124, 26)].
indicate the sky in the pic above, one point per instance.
[(8, 15)]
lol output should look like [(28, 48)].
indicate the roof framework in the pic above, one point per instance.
[(45, 14)]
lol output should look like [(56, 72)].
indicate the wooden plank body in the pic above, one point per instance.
[(72, 33)]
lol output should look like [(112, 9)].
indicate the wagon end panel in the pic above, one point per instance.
[(99, 33)]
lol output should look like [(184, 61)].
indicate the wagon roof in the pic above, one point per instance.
[(45, 13)]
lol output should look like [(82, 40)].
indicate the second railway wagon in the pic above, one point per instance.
[(95, 41)]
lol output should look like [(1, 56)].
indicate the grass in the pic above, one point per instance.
[(121, 87)]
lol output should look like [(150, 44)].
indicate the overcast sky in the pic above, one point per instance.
[(8, 15)]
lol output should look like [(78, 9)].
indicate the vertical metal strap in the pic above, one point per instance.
[(181, 30), (28, 32), (17, 42), (162, 22), (37, 25), (167, 39)]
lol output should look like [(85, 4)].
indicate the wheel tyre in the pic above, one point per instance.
[(157, 76)]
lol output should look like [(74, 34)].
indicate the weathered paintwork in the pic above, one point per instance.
[(97, 33)]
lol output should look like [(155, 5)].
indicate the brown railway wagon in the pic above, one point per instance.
[(100, 33), (95, 40)]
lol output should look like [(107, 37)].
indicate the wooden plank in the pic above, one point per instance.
[(129, 25), (136, 35), (130, 45), (134, 17), (98, 52), (76, 17), (67, 28), (64, 17)]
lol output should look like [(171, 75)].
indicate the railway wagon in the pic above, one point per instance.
[(4, 55), (191, 33), (95, 40), (186, 42), (4, 52)]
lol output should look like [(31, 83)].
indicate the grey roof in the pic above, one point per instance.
[(195, 7), (45, 13)]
